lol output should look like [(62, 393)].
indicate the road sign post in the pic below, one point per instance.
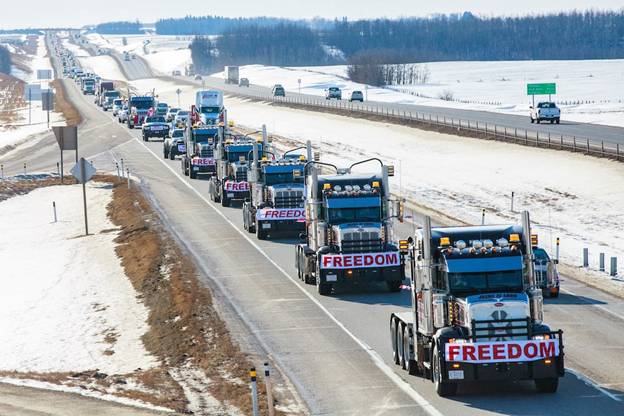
[(178, 91), (67, 139), (83, 172)]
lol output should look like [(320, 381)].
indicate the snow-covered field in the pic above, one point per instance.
[(163, 53), (571, 196), (66, 302), (487, 86), (20, 130)]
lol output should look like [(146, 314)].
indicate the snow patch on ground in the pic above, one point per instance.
[(105, 66), (83, 392), (62, 292)]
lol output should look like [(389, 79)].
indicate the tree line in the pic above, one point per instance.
[(210, 25), (119, 28), (5, 60), (283, 44), (574, 35)]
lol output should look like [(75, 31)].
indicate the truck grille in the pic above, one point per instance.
[(501, 329), (288, 199), (206, 151), (241, 175), (361, 242)]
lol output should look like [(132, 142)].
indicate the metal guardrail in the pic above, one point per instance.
[(527, 137)]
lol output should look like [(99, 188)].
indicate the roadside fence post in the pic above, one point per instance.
[(269, 389), (117, 166), (1, 171), (602, 145), (557, 252), (24, 168), (613, 267), (254, 392), (483, 217), (561, 143), (574, 144), (585, 257), (601, 265), (58, 169), (122, 167), (54, 209), (587, 146), (128, 175), (512, 201)]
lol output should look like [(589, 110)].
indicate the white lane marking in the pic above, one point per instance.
[(594, 384), (602, 308), (379, 362)]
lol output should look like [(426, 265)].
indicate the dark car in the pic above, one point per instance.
[(155, 126), (279, 91)]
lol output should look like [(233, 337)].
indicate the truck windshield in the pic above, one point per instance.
[(282, 177), (111, 94), (142, 104), (464, 284), (203, 138), (210, 110), (234, 156), (344, 215)]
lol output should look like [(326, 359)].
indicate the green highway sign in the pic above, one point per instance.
[(541, 89)]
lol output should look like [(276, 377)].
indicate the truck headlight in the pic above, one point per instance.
[(457, 341), (541, 337)]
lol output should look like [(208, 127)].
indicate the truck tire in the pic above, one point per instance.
[(557, 120), (145, 138), (532, 120), (324, 289), (552, 121), (225, 201), (408, 364), (185, 169), (171, 155), (443, 388), (394, 334), (251, 222), (165, 153), (192, 174), (394, 285), (260, 233), (547, 385), (538, 120)]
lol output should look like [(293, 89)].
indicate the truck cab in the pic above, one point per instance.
[(349, 236), (199, 144), (276, 204), (139, 107), (231, 180), (545, 111), (88, 86), (477, 312), (208, 108)]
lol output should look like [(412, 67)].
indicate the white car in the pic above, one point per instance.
[(545, 111), (122, 114), (356, 96), (117, 105), (181, 119)]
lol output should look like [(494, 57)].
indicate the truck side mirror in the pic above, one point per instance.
[(303, 237), (556, 261)]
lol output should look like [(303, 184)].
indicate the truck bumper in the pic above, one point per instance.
[(282, 227), (363, 275), (236, 195), (204, 170), (505, 371)]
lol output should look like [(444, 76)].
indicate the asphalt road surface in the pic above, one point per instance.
[(336, 349)]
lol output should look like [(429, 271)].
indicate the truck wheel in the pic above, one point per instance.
[(324, 289), (394, 285), (408, 364), (262, 234), (171, 155), (225, 201), (251, 223), (192, 174), (532, 120), (538, 120), (557, 120), (443, 388), (394, 333), (547, 385), (145, 138), (552, 121), (165, 153)]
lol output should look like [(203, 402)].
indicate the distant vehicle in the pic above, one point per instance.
[(122, 115), (278, 91), (117, 104), (356, 96), (161, 109), (171, 114), (198, 77), (545, 111), (140, 107), (154, 126), (244, 82), (126, 56), (208, 107), (546, 274), (231, 75), (333, 92), (88, 86), (176, 73), (109, 97), (181, 118), (171, 150)]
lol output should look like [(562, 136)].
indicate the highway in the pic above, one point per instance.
[(336, 349)]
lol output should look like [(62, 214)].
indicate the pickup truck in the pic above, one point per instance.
[(545, 111), (333, 92), (174, 145), (155, 126)]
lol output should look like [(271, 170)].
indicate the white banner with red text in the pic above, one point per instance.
[(233, 186), (203, 161), (502, 351), (360, 260), (277, 214)]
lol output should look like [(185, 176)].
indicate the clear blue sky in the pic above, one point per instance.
[(76, 13)]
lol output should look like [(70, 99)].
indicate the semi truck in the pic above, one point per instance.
[(139, 108), (276, 193), (231, 75), (199, 144), (476, 311), (208, 108), (88, 86), (102, 87), (230, 182), (349, 237)]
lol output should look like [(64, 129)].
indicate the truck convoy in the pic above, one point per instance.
[(139, 107), (349, 229), (276, 203), (232, 157), (476, 310), (231, 75)]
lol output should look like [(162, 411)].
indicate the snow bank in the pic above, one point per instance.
[(105, 66), (66, 302), (486, 86)]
